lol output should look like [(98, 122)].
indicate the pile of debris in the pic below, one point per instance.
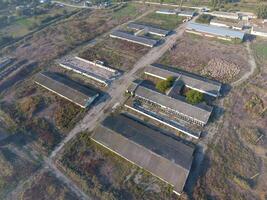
[(221, 70)]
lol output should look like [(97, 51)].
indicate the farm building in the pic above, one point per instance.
[(4, 61), (148, 29), (247, 15), (195, 82), (259, 31), (186, 13), (227, 15), (66, 88), (197, 114), (161, 155), (214, 31), (239, 25), (163, 120), (133, 38), (93, 70), (166, 12)]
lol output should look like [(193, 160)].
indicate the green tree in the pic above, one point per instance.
[(194, 97), (163, 85)]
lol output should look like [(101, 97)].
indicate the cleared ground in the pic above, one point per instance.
[(222, 61), (168, 22), (235, 165)]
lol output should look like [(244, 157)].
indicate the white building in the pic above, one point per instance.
[(259, 31), (227, 15)]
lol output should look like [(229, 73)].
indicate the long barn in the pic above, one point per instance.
[(66, 88), (164, 157)]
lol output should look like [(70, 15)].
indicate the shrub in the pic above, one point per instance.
[(164, 85), (194, 97)]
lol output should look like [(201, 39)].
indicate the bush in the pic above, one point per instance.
[(194, 97), (164, 85)]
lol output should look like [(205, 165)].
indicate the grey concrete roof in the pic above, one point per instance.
[(225, 13), (166, 11), (198, 113), (239, 24), (134, 38), (190, 80), (66, 88), (215, 30), (159, 154), (186, 13), (150, 29)]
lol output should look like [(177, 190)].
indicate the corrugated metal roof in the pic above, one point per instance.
[(134, 38), (66, 88), (214, 30), (201, 114), (162, 155), (191, 80), (150, 29)]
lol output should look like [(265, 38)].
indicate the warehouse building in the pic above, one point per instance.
[(259, 30), (166, 12), (94, 70), (239, 25), (66, 88), (161, 155), (199, 114), (4, 61), (187, 13), (149, 29), (227, 15), (133, 38), (214, 31), (195, 82)]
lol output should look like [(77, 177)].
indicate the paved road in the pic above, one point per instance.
[(117, 89)]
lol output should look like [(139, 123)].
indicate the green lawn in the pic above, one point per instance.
[(162, 21)]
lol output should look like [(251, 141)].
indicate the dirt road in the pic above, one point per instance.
[(117, 89), (253, 67)]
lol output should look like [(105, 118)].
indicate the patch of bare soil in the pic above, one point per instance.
[(211, 57)]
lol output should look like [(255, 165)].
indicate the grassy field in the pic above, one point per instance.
[(162, 21), (22, 25), (15, 166), (46, 186)]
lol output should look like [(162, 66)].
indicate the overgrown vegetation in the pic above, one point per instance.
[(262, 11), (194, 97), (205, 19), (104, 175), (164, 85)]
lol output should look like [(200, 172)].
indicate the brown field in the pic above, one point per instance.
[(46, 186), (216, 59), (235, 165), (117, 53), (15, 166)]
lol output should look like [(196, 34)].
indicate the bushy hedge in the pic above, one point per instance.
[(194, 97), (164, 85)]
